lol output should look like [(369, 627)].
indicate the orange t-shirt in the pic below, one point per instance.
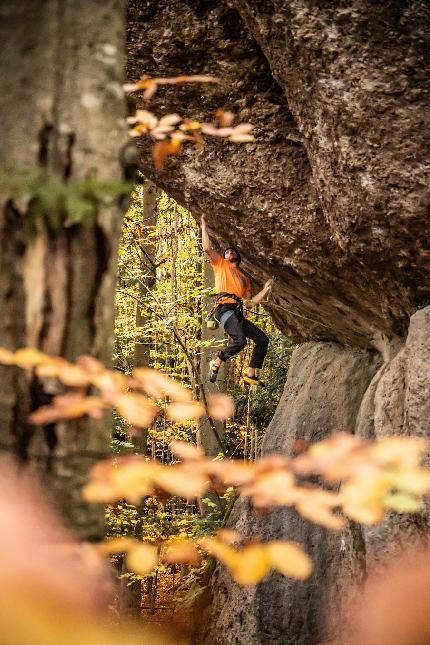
[(229, 278)]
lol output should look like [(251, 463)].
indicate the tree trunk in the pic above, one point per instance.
[(62, 107)]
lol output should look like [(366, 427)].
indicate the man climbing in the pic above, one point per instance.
[(232, 287)]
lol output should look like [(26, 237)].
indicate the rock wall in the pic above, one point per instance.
[(329, 388), (332, 198)]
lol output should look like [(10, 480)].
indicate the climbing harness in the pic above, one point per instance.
[(212, 320)]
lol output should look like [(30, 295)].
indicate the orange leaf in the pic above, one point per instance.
[(117, 545), (225, 118), (178, 480), (158, 385), (220, 406), (185, 450), (183, 410), (29, 357), (181, 552), (164, 149), (142, 559), (135, 408), (68, 406), (6, 357)]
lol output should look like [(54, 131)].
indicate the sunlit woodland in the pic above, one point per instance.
[(215, 322)]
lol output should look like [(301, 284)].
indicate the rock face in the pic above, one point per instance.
[(327, 389), (332, 197), (332, 200)]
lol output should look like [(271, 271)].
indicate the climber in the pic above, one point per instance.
[(232, 288)]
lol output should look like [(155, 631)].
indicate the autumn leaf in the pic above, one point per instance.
[(6, 357), (164, 149), (220, 406), (181, 551), (241, 138), (289, 559), (224, 117), (186, 450), (91, 364), (272, 488), (250, 564), (158, 385), (136, 409), (142, 558), (181, 481), (318, 505), (403, 452), (183, 410), (150, 85), (68, 406), (117, 545), (403, 503), (29, 357)]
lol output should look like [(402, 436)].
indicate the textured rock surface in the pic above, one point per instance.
[(323, 393), (329, 388), (332, 197)]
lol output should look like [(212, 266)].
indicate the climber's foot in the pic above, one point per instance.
[(252, 380), (213, 371)]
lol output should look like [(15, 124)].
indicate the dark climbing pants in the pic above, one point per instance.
[(239, 329)]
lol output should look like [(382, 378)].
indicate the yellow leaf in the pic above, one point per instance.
[(135, 408), (99, 492), (69, 374), (169, 120), (403, 503), (185, 450), (404, 452), (183, 410), (29, 357), (241, 138), (181, 552), (178, 480), (158, 385), (272, 488), (6, 357), (142, 559), (134, 479), (288, 558), (317, 506), (413, 481), (117, 545), (248, 565), (220, 406), (229, 536)]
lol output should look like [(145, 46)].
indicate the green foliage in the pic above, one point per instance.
[(60, 202), (160, 308)]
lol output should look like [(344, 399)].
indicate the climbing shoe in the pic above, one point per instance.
[(252, 380), (213, 371)]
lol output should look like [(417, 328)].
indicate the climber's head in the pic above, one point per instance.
[(232, 255)]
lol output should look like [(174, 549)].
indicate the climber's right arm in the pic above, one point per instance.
[(206, 243)]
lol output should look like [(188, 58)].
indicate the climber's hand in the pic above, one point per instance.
[(269, 284)]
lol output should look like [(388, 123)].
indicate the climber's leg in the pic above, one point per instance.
[(259, 351), (237, 342)]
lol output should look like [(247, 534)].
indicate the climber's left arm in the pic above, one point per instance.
[(262, 294)]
